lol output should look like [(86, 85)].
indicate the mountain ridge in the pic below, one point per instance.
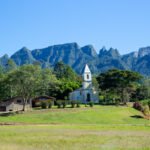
[(75, 56)]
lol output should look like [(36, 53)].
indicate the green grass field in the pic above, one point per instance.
[(75, 137), (98, 128), (96, 115)]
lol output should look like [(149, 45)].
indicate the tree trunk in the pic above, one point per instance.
[(24, 105), (123, 96)]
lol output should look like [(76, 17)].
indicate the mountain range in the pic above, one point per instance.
[(76, 56)]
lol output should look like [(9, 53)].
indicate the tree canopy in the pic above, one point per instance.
[(122, 80)]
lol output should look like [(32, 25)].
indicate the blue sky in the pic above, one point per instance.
[(121, 24)]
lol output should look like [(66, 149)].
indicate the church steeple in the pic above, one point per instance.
[(86, 69), (87, 74)]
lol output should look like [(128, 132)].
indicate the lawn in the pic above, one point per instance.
[(75, 137), (98, 128), (96, 115)]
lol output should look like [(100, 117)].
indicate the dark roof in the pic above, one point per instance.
[(11, 99)]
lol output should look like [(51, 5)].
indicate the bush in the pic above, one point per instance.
[(59, 103), (36, 104), (73, 103), (44, 105), (144, 102), (78, 103), (146, 110), (101, 99), (50, 104), (64, 103), (138, 106), (91, 104), (149, 104)]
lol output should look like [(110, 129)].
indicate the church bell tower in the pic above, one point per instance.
[(87, 78)]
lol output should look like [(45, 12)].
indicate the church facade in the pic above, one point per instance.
[(87, 93)]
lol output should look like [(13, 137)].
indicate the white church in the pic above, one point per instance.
[(87, 93)]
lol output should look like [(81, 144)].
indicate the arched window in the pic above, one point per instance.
[(87, 76)]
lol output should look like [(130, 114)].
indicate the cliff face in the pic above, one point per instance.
[(76, 56)]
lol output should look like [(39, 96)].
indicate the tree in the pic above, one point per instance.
[(146, 83), (28, 81), (62, 70), (25, 80), (1, 71), (6, 87), (10, 65), (141, 93), (48, 82), (66, 87), (122, 80), (69, 80)]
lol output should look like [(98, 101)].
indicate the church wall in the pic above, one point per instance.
[(85, 93), (75, 95)]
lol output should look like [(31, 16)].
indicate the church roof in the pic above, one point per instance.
[(86, 69)]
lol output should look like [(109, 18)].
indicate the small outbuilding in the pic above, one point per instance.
[(14, 104), (36, 102)]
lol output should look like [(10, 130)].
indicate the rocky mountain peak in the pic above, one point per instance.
[(114, 53), (144, 51), (111, 53), (4, 60), (5, 57), (102, 51), (89, 50), (22, 56)]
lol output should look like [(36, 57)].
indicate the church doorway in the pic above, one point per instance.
[(88, 97)]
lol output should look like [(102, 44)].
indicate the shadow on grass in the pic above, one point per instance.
[(137, 116), (10, 113), (111, 104)]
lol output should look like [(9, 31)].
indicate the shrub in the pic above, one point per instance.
[(73, 103), (64, 103), (44, 105), (59, 103), (138, 106), (36, 104), (146, 110), (78, 103), (91, 104), (101, 99), (50, 104), (144, 102), (149, 104)]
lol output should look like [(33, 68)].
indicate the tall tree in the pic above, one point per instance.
[(122, 80), (48, 82), (62, 70), (69, 79), (25, 80)]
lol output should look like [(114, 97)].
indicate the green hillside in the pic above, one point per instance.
[(96, 115)]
